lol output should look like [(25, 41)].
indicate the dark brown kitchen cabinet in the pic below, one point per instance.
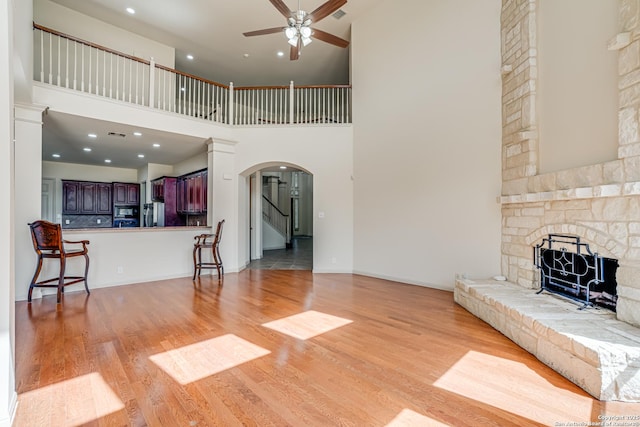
[(164, 192), (157, 189), (70, 197), (125, 193), (192, 193), (86, 198)]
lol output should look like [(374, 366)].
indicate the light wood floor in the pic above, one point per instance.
[(368, 352)]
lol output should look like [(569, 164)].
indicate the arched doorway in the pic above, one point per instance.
[(280, 217)]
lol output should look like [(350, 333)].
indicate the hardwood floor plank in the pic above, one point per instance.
[(409, 351)]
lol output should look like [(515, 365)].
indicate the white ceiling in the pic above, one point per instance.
[(210, 30)]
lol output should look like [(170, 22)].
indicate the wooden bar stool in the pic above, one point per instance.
[(208, 241), (48, 243)]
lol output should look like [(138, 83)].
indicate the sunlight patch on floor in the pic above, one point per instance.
[(196, 361), (72, 402), (307, 325), (409, 418), (515, 388)]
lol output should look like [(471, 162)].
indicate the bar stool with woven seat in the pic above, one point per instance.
[(208, 241), (48, 243)]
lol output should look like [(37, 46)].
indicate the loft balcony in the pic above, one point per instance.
[(67, 62)]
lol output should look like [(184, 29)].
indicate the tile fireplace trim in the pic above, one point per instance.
[(588, 347)]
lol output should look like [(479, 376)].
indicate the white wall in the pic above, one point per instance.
[(325, 152), (427, 140), (7, 289), (65, 20), (271, 239), (577, 83), (197, 162)]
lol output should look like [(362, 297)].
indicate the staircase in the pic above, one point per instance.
[(276, 219)]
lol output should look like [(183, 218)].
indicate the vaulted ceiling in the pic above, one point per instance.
[(212, 31)]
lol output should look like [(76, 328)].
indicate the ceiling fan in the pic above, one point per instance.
[(299, 31)]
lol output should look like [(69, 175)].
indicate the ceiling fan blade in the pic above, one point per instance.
[(326, 9), (295, 52), (263, 32), (329, 38), (282, 8)]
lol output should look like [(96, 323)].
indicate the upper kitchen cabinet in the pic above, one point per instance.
[(192, 193), (125, 193), (86, 198), (157, 188)]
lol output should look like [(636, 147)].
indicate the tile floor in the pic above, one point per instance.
[(298, 257)]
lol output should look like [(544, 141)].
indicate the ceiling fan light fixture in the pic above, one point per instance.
[(293, 41), (290, 32), (305, 32), (306, 41)]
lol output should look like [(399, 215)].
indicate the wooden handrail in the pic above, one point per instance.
[(97, 46), (273, 206), (259, 87), (295, 87), (191, 76)]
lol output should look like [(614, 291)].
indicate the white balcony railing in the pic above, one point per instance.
[(71, 63)]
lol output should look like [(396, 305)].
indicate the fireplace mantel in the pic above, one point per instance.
[(591, 192)]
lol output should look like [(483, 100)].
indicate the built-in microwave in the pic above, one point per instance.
[(126, 212)]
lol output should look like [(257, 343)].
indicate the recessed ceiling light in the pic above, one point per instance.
[(156, 145), (131, 10), (189, 56), (141, 155), (87, 149), (107, 160), (55, 155), (137, 134), (280, 53), (283, 167), (92, 135), (246, 55)]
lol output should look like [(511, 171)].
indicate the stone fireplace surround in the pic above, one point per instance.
[(596, 349)]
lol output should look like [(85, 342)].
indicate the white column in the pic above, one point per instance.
[(7, 315), (28, 184), (210, 204), (224, 192)]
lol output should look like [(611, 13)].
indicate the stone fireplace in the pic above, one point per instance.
[(599, 203)]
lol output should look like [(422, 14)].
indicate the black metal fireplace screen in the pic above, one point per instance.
[(578, 274)]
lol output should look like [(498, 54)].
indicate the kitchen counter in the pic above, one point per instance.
[(121, 256), (204, 228)]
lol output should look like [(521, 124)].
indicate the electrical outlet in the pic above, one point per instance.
[(334, 260), (99, 221), (120, 269), (66, 221)]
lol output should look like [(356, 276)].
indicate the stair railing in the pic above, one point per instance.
[(277, 219)]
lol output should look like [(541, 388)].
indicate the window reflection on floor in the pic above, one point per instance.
[(196, 361), (72, 402)]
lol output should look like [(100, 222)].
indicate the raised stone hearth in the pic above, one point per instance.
[(589, 347)]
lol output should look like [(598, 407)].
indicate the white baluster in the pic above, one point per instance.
[(230, 104), (50, 59), (66, 64)]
